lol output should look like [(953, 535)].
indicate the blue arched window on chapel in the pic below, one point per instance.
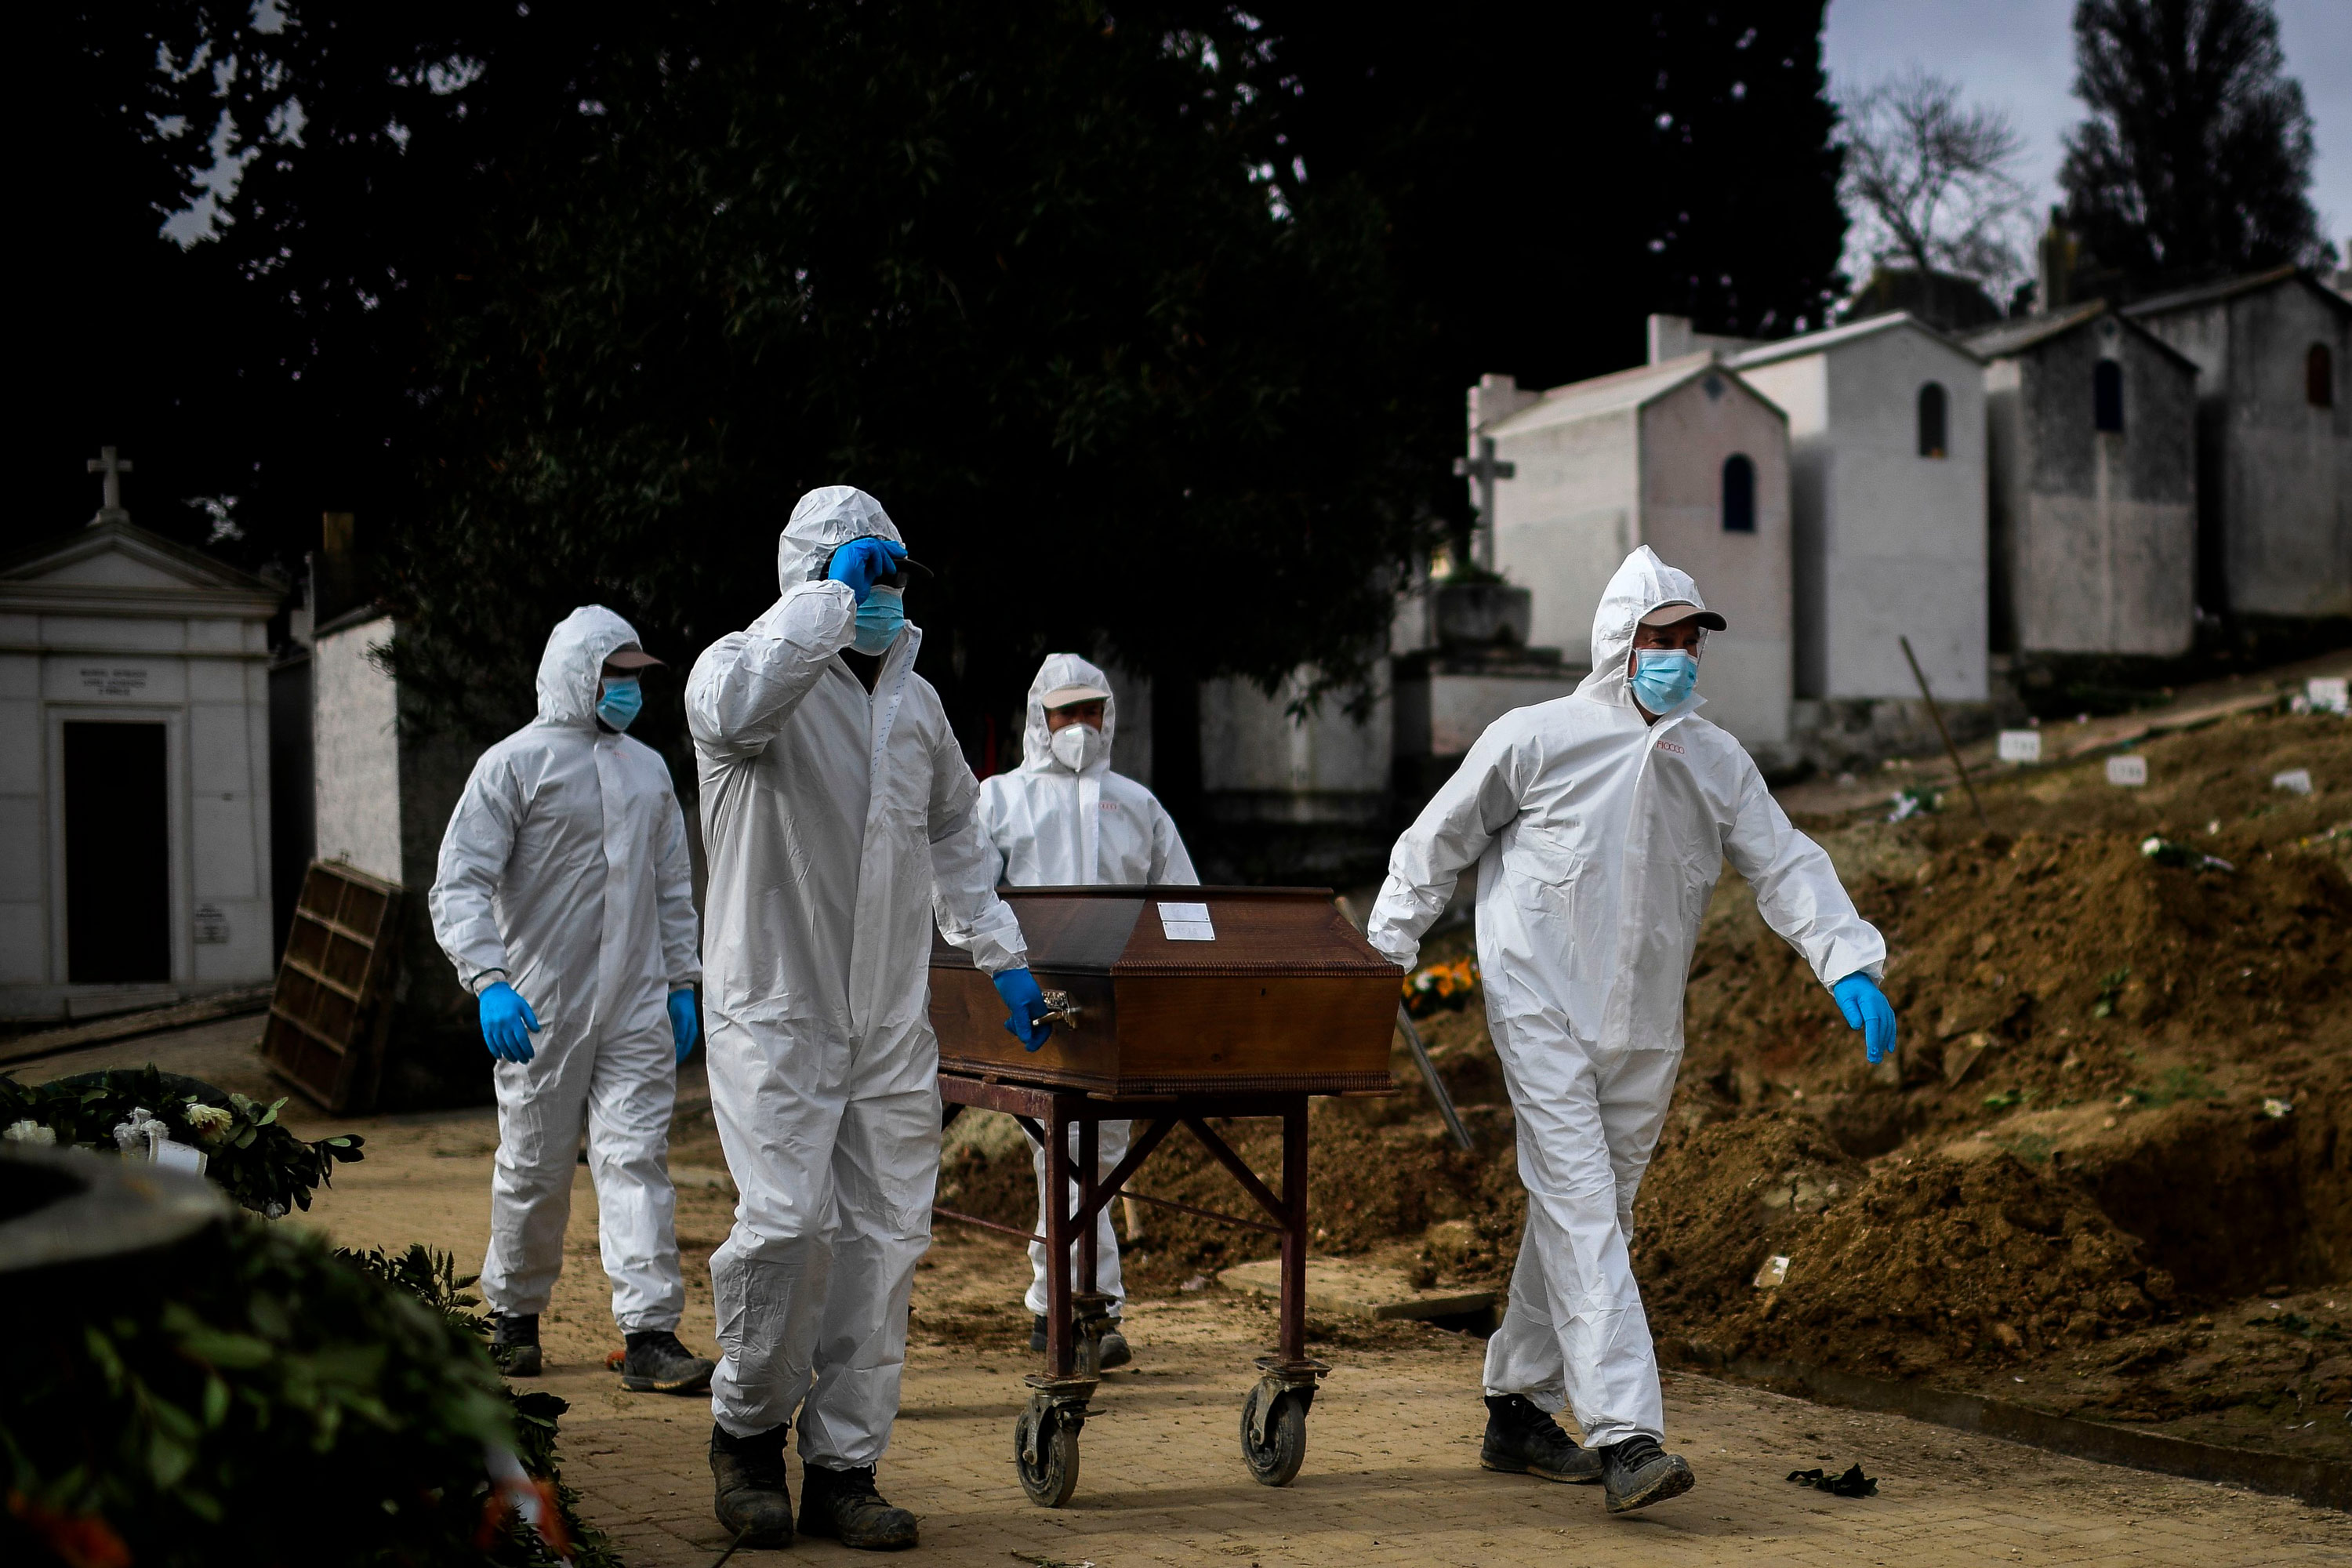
[(1739, 494)]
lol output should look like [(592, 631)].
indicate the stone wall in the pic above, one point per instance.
[(355, 749)]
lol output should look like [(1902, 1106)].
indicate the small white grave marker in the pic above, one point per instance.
[(174, 1156), (2329, 694), (2295, 781), (2020, 745), (1187, 922), (2129, 772)]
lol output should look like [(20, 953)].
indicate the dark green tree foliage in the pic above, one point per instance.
[(123, 347), (2196, 159), (1152, 325), (1554, 173), (1007, 267), (1741, 203), (273, 362)]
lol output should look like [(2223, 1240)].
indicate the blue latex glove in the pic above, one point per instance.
[(1866, 1009), (684, 1023), (1019, 989), (508, 1022), (862, 563)]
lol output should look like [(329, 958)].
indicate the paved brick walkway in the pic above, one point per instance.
[(1391, 1472)]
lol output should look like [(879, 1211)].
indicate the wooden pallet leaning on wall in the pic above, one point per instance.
[(328, 1016)]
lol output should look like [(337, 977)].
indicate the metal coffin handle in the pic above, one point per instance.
[(1061, 1007)]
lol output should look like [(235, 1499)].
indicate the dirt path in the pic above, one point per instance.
[(1392, 1473)]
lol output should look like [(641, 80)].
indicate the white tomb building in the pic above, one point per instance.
[(1684, 456), (1886, 461), (135, 771)]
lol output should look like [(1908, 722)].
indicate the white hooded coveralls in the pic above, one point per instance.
[(564, 873), (1051, 827), (1598, 841), (832, 821)]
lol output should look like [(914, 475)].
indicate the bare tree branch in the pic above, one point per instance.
[(1930, 181)]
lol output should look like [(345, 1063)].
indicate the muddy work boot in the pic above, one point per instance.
[(843, 1504), (1637, 1473), (1115, 1350), (1522, 1440), (657, 1363), (514, 1344), (755, 1499)]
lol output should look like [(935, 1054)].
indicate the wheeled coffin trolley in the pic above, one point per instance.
[(1174, 1006)]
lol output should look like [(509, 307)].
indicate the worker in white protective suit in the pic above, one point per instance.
[(1064, 819), (837, 811), (564, 897), (1598, 825)]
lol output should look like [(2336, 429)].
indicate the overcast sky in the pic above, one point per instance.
[(2019, 55)]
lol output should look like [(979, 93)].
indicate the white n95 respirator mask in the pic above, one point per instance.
[(1078, 747)]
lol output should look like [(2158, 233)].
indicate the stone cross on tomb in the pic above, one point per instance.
[(1482, 470), (114, 468)]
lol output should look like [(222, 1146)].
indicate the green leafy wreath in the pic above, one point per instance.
[(249, 1151)]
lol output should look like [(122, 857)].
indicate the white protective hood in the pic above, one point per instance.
[(827, 518), (1051, 827), (1061, 669), (1641, 585), (571, 670)]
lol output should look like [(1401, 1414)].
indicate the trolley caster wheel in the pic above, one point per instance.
[(1046, 1452), (1274, 1459)]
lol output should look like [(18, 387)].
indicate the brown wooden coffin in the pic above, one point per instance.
[(1274, 991)]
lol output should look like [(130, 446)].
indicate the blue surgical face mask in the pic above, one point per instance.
[(622, 699), (1663, 677), (880, 619)]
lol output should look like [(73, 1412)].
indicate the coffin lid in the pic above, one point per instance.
[(1118, 931)]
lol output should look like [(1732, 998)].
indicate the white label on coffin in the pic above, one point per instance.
[(1187, 922), (2129, 772), (2020, 745)]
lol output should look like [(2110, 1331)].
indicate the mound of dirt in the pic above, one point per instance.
[(1772, 1244)]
